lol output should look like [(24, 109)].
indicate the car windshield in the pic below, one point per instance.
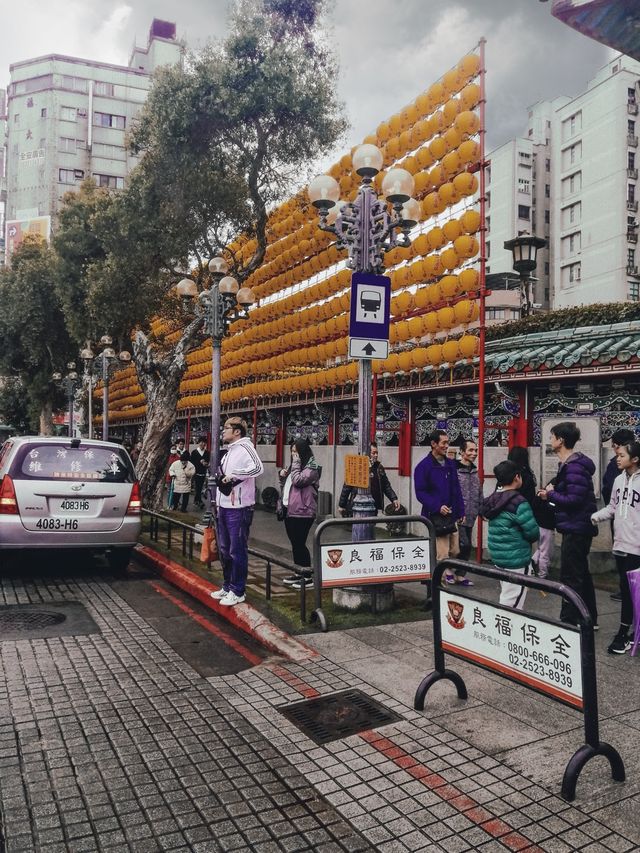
[(60, 462)]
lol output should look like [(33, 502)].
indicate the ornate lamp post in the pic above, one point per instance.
[(524, 248), (222, 303), (70, 383), (367, 228), (102, 365)]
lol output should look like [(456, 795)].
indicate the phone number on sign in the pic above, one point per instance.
[(411, 567), (561, 678)]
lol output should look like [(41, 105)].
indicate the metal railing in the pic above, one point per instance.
[(186, 533)]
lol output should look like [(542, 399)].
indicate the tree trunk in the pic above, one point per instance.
[(160, 380), (46, 419)]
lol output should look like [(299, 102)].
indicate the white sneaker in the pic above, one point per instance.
[(219, 593), (231, 598)]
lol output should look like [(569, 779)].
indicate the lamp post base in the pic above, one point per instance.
[(378, 598)]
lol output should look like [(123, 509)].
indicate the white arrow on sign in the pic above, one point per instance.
[(365, 348)]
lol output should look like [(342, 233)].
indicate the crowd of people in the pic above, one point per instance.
[(522, 517)]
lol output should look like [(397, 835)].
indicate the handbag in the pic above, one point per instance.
[(209, 549), (444, 525)]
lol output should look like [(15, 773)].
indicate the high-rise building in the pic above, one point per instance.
[(67, 119), (573, 181), (595, 190)]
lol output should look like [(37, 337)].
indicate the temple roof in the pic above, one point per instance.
[(615, 23)]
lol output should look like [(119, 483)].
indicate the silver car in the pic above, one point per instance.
[(68, 493)]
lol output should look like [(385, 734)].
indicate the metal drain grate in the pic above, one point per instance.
[(45, 621), (28, 621), (338, 715)]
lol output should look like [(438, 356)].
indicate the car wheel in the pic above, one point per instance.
[(119, 559)]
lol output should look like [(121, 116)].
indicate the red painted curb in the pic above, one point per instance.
[(243, 616)]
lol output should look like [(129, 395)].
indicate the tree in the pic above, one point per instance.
[(221, 140), (32, 329)]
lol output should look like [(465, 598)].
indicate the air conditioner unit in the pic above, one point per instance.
[(82, 112), (632, 173), (631, 270), (632, 205)]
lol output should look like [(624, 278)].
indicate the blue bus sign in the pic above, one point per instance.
[(369, 317)]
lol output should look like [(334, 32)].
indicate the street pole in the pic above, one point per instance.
[(105, 398), (70, 391), (90, 403)]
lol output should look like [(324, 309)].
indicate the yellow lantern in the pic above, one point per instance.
[(409, 115), (469, 66), (434, 295), (395, 123), (438, 148), (466, 246), (467, 122), (421, 245), (450, 351), (421, 183), (449, 286), (402, 329), (450, 111), (415, 327), (452, 229), (451, 163), (434, 354), (431, 324), (421, 297), (419, 357), (404, 361), (453, 138), (436, 239), (448, 194), (470, 221), (383, 132), (470, 96), (446, 317), (405, 141), (390, 364), (466, 184), (437, 93), (469, 346), (433, 266), (411, 165), (433, 204), (453, 80), (425, 157), (450, 259), (423, 104), (421, 132), (463, 311)]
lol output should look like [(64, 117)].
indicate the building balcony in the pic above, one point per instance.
[(632, 140), (632, 173), (632, 108), (632, 270), (633, 206), (632, 237)]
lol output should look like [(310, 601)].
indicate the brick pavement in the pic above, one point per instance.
[(111, 741)]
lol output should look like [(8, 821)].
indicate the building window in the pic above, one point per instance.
[(78, 84), (547, 217), (631, 95), (109, 120), (70, 176), (524, 211), (68, 113), (547, 165), (547, 191), (631, 127), (524, 186), (631, 192), (16, 118), (631, 160), (102, 88), (43, 112), (574, 272), (488, 223), (546, 272), (113, 182), (66, 143), (631, 257), (488, 245), (634, 291), (488, 199)]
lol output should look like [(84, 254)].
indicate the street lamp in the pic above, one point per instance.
[(367, 228), (70, 383), (102, 364), (222, 303), (524, 248)]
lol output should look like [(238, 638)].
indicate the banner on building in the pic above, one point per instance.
[(17, 229)]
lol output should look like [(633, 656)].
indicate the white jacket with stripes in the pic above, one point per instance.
[(241, 462)]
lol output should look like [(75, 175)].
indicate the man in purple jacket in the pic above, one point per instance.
[(573, 497), (435, 480)]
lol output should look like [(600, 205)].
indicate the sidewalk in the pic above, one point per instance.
[(483, 774)]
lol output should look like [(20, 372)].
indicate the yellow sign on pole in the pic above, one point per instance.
[(356, 471)]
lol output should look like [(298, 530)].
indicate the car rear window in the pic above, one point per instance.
[(60, 462)]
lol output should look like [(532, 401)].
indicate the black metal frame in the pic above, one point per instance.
[(593, 745), (317, 615)]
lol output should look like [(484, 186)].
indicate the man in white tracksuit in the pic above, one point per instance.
[(236, 481)]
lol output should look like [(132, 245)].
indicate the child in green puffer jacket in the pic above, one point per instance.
[(512, 529)]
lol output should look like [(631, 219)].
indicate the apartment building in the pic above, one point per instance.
[(595, 190), (67, 119), (573, 180)]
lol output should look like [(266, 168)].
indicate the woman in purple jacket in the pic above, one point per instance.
[(300, 504)]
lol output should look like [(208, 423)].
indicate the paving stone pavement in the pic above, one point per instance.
[(111, 741)]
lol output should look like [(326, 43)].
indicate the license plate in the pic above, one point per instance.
[(57, 524), (74, 505)]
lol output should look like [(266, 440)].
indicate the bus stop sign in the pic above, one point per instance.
[(369, 318)]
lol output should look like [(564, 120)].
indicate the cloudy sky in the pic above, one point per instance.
[(388, 50)]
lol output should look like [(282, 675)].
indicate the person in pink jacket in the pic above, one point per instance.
[(300, 482)]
